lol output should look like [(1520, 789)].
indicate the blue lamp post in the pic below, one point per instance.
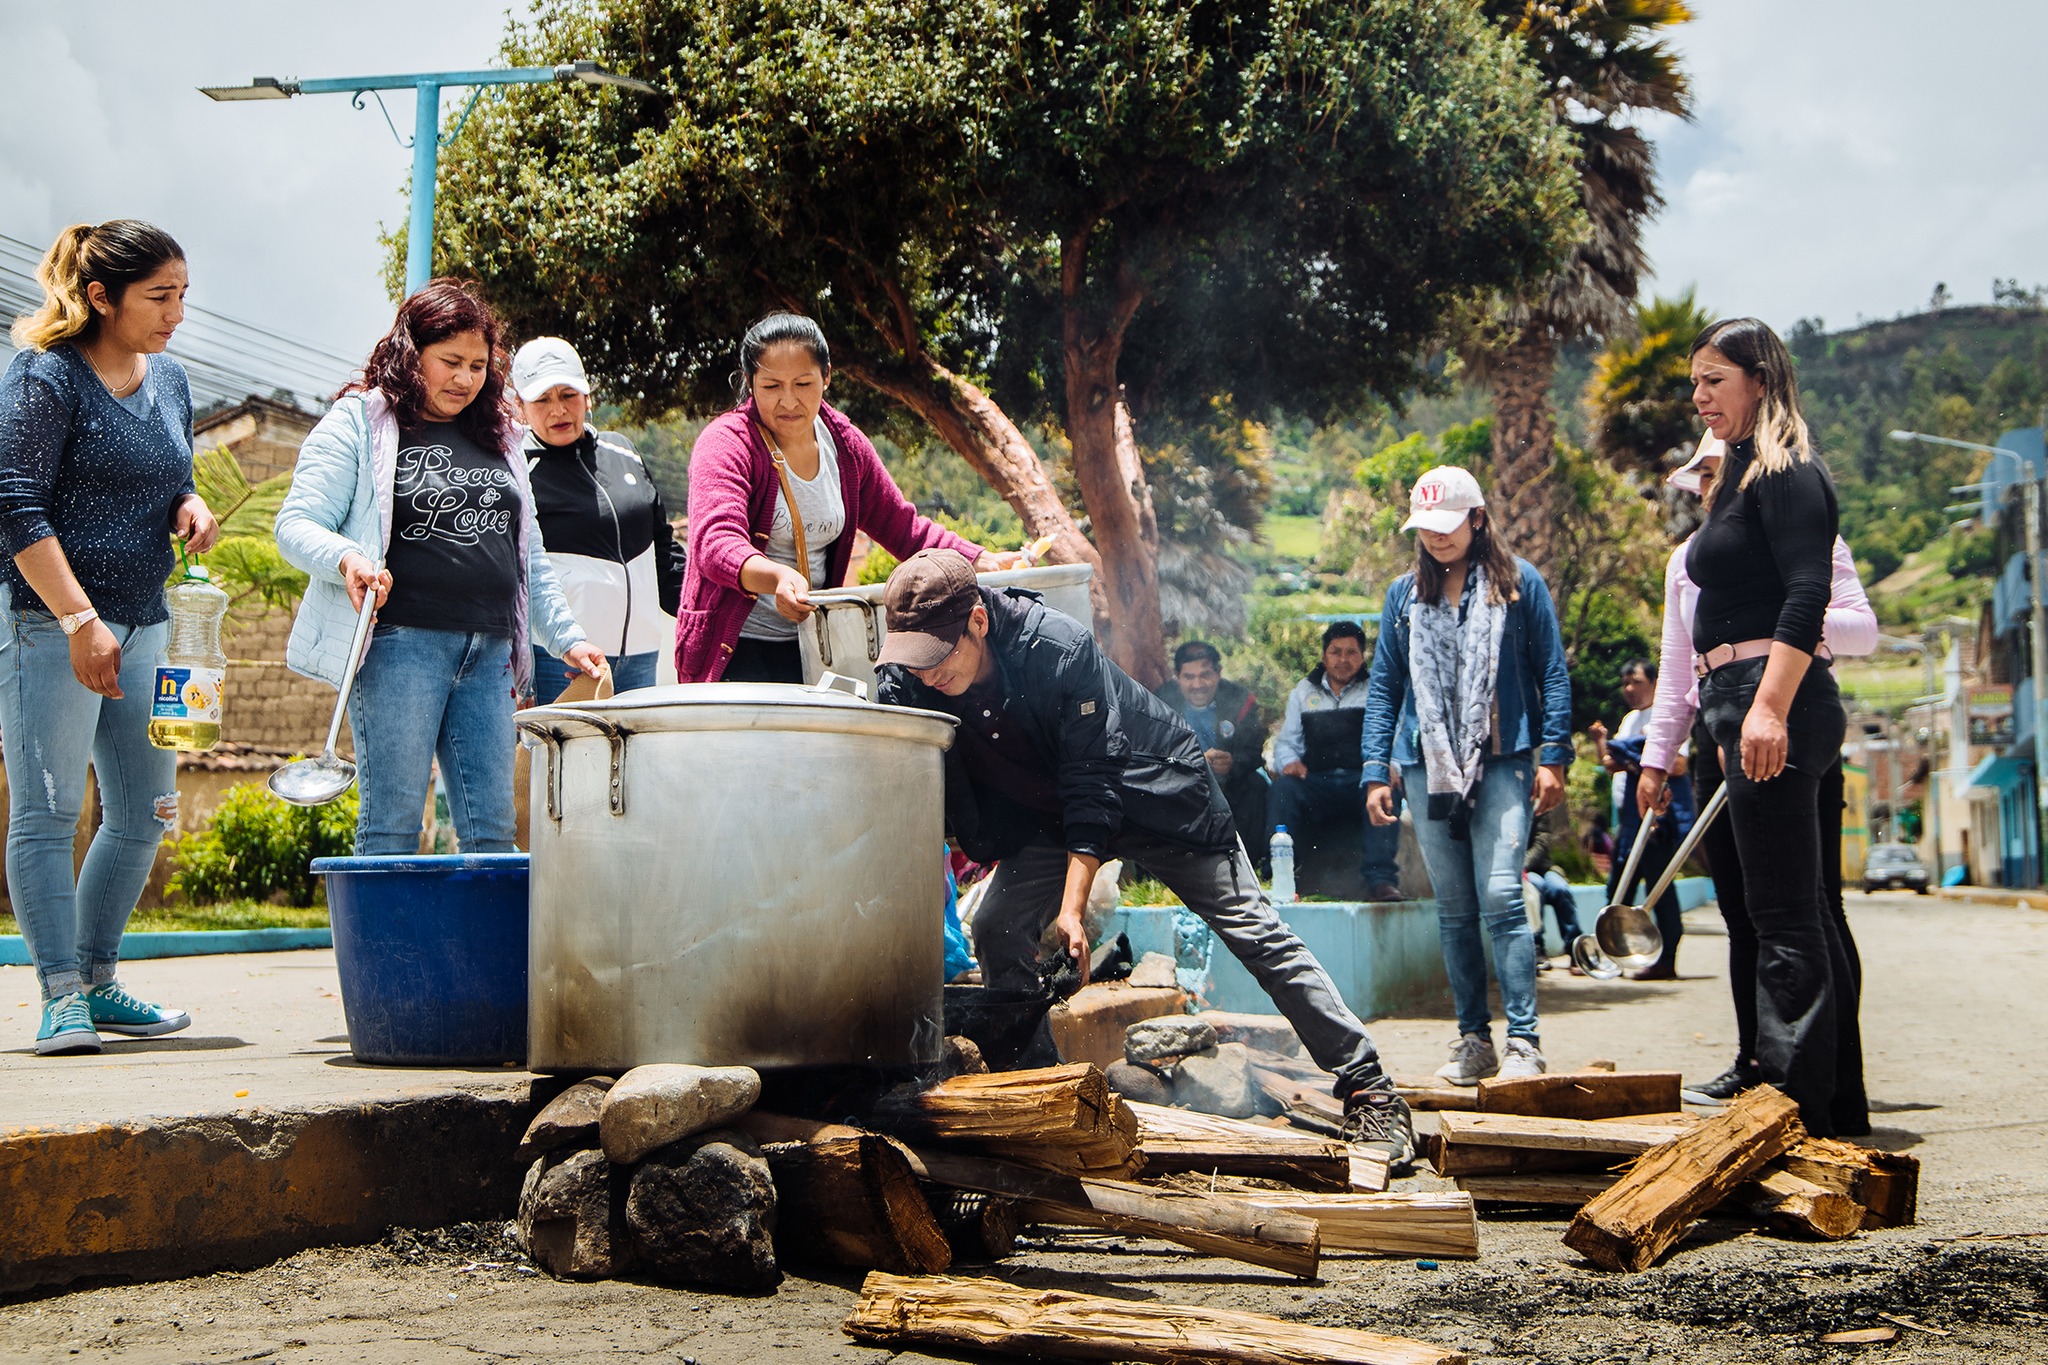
[(426, 135)]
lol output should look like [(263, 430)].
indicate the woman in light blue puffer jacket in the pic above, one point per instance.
[(412, 487)]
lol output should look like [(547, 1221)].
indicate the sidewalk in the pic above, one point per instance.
[(2023, 898)]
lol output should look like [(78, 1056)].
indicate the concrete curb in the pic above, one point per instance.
[(2022, 898), (166, 1198), (190, 943)]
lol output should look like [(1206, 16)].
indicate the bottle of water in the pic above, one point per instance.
[(185, 711), (1282, 853)]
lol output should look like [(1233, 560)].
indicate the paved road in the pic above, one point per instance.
[(1956, 1006)]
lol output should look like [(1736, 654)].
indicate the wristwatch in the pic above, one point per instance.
[(75, 621)]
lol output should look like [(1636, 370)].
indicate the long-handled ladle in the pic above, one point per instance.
[(318, 780), (1626, 936)]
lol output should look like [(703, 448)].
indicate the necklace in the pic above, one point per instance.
[(140, 365)]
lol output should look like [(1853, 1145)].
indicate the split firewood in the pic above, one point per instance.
[(1787, 1203), (980, 1227), (1436, 1223), (1051, 1324), (1295, 1094), (1636, 1221), (1886, 1184), (1059, 1118), (1572, 1188), (1432, 1093), (1218, 1225), (854, 1201), (1592, 1136), (1183, 1140), (1581, 1095)]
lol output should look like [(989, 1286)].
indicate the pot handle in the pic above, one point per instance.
[(837, 682), (543, 727)]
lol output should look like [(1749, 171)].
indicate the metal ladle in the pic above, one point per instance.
[(1626, 936), (316, 781)]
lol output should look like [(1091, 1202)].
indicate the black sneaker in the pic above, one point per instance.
[(1743, 1075), (1379, 1119)]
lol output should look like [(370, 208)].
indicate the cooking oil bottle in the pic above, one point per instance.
[(185, 712)]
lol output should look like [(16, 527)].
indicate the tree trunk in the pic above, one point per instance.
[(1524, 449), (982, 434), (1112, 478)]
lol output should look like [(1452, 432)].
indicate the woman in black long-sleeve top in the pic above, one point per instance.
[(1764, 566)]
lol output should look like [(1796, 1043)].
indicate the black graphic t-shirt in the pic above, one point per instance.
[(454, 555)]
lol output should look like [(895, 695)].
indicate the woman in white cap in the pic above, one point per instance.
[(601, 519), (1850, 628), (1470, 695)]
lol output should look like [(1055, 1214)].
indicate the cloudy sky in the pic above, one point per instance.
[(1846, 155)]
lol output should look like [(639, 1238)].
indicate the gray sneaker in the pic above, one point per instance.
[(1472, 1060), (1524, 1059), (1379, 1119)]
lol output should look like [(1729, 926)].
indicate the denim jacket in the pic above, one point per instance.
[(1532, 693)]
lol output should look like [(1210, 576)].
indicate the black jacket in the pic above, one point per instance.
[(607, 535), (1243, 729), (1120, 756)]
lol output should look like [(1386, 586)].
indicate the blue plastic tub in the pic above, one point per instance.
[(432, 954)]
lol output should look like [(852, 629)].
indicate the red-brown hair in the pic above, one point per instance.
[(442, 308)]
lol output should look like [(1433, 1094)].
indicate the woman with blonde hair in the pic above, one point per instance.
[(1764, 565), (95, 479)]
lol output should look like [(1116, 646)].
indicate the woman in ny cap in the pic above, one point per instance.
[(601, 519), (1470, 664), (1775, 594), (752, 565)]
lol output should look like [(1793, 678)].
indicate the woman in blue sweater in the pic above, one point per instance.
[(95, 479), (1470, 695)]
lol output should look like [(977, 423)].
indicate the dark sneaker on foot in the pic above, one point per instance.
[(1379, 1119), (114, 1010), (66, 1028), (1744, 1075)]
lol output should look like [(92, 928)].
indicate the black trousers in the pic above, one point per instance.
[(1776, 860)]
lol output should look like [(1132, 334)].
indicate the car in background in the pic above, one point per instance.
[(1894, 865)]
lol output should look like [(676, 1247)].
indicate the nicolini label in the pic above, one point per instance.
[(186, 694)]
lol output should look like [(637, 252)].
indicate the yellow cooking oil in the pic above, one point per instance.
[(184, 711)]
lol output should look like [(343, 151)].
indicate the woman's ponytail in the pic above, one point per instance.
[(114, 255), (65, 312)]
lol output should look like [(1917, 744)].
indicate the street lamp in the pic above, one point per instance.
[(426, 135), (2039, 622)]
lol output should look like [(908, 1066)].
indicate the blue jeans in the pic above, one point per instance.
[(551, 675), (1556, 892), (50, 728), (1335, 795), (1479, 882), (424, 694)]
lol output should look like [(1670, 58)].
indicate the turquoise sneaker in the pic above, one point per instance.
[(116, 1011), (67, 1028)]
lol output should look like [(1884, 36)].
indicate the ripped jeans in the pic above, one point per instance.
[(50, 728)]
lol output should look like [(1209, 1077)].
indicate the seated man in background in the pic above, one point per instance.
[(1320, 764), (1225, 717)]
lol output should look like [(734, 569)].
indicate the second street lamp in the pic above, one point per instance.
[(426, 135)]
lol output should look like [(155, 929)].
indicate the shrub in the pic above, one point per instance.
[(259, 848)]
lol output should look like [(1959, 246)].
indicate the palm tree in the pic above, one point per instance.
[(1604, 62), (1641, 391)]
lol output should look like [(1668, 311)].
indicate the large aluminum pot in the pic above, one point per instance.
[(735, 874), (844, 635)]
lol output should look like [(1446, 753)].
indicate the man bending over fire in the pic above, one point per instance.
[(1062, 761)]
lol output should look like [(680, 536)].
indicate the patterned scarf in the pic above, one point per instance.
[(1453, 668)]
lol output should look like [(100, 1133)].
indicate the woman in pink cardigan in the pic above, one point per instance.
[(746, 587), (1850, 628)]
